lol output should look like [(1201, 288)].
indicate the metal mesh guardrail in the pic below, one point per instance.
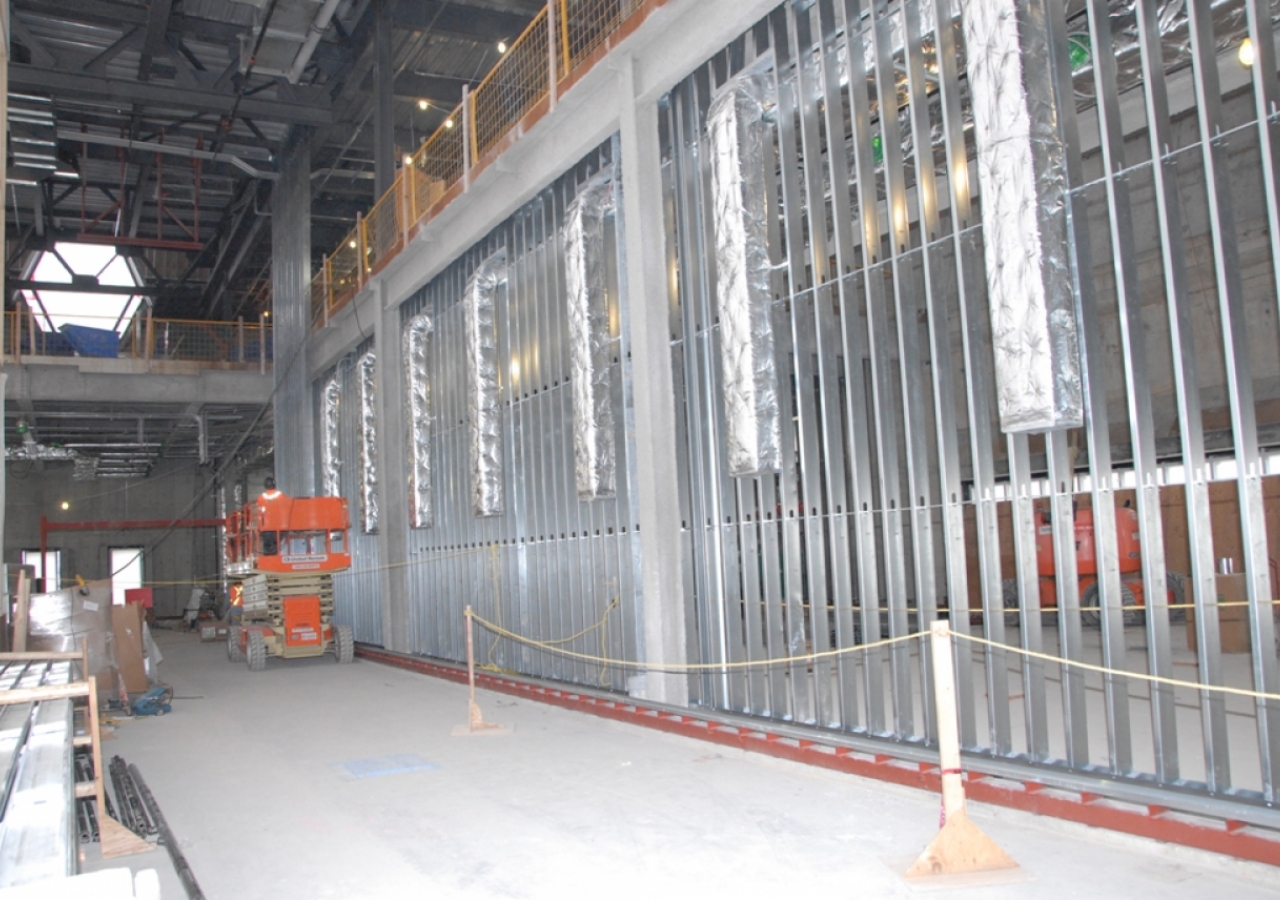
[(384, 226), (560, 39), (513, 87), (586, 24), (28, 334)]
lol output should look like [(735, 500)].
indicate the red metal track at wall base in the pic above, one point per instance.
[(1228, 838)]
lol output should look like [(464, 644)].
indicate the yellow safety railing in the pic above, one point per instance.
[(586, 24), (512, 88), (559, 43), (384, 227), (29, 333)]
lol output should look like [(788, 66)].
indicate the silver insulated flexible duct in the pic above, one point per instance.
[(416, 335), (368, 372), (484, 413), (1022, 173), (330, 452), (590, 341), (737, 132)]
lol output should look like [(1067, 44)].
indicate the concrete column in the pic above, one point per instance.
[(653, 391), (4, 153), (291, 313), (384, 134), (393, 487)]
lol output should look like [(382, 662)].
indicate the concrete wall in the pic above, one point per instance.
[(185, 556)]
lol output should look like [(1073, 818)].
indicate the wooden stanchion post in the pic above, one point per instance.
[(475, 720), (960, 846)]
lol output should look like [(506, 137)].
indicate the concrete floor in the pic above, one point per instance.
[(248, 771)]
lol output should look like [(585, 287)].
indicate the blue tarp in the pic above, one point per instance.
[(99, 342)]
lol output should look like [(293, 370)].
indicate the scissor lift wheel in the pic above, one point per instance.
[(344, 644), (257, 651), (235, 652)]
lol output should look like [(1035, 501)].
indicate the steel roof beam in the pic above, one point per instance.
[(104, 13), (458, 21), (147, 290), (24, 77), (157, 24), (440, 90)]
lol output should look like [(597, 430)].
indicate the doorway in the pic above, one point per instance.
[(126, 572)]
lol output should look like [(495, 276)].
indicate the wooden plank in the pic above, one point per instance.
[(115, 839), (47, 692), (21, 613)]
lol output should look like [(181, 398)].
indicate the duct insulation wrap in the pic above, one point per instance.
[(591, 343), (1022, 175), (368, 371), (30, 451), (224, 558), (484, 413), (738, 134), (330, 452), (418, 387)]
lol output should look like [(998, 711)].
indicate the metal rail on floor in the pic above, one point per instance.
[(1193, 820)]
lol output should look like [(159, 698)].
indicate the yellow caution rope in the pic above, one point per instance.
[(551, 646), (1141, 676)]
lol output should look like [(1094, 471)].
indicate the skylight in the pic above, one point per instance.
[(55, 308)]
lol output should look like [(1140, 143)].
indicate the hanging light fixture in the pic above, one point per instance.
[(1245, 54)]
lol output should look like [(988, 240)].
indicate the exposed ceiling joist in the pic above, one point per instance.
[(33, 78)]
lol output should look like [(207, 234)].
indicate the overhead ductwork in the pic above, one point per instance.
[(293, 32)]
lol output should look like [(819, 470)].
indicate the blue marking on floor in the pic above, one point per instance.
[(397, 764)]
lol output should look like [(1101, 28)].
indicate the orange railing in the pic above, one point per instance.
[(559, 45), (239, 343)]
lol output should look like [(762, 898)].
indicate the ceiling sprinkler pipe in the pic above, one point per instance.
[(318, 27)]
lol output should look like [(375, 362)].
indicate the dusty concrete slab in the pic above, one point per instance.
[(567, 806)]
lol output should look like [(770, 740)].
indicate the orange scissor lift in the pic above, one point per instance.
[(282, 553), (1129, 553)]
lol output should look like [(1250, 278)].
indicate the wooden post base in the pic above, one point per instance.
[(477, 725), (959, 847), (118, 840)]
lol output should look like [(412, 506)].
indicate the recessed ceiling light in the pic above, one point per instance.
[(423, 104), (502, 46), (65, 505), (408, 159), (448, 123), (352, 245)]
